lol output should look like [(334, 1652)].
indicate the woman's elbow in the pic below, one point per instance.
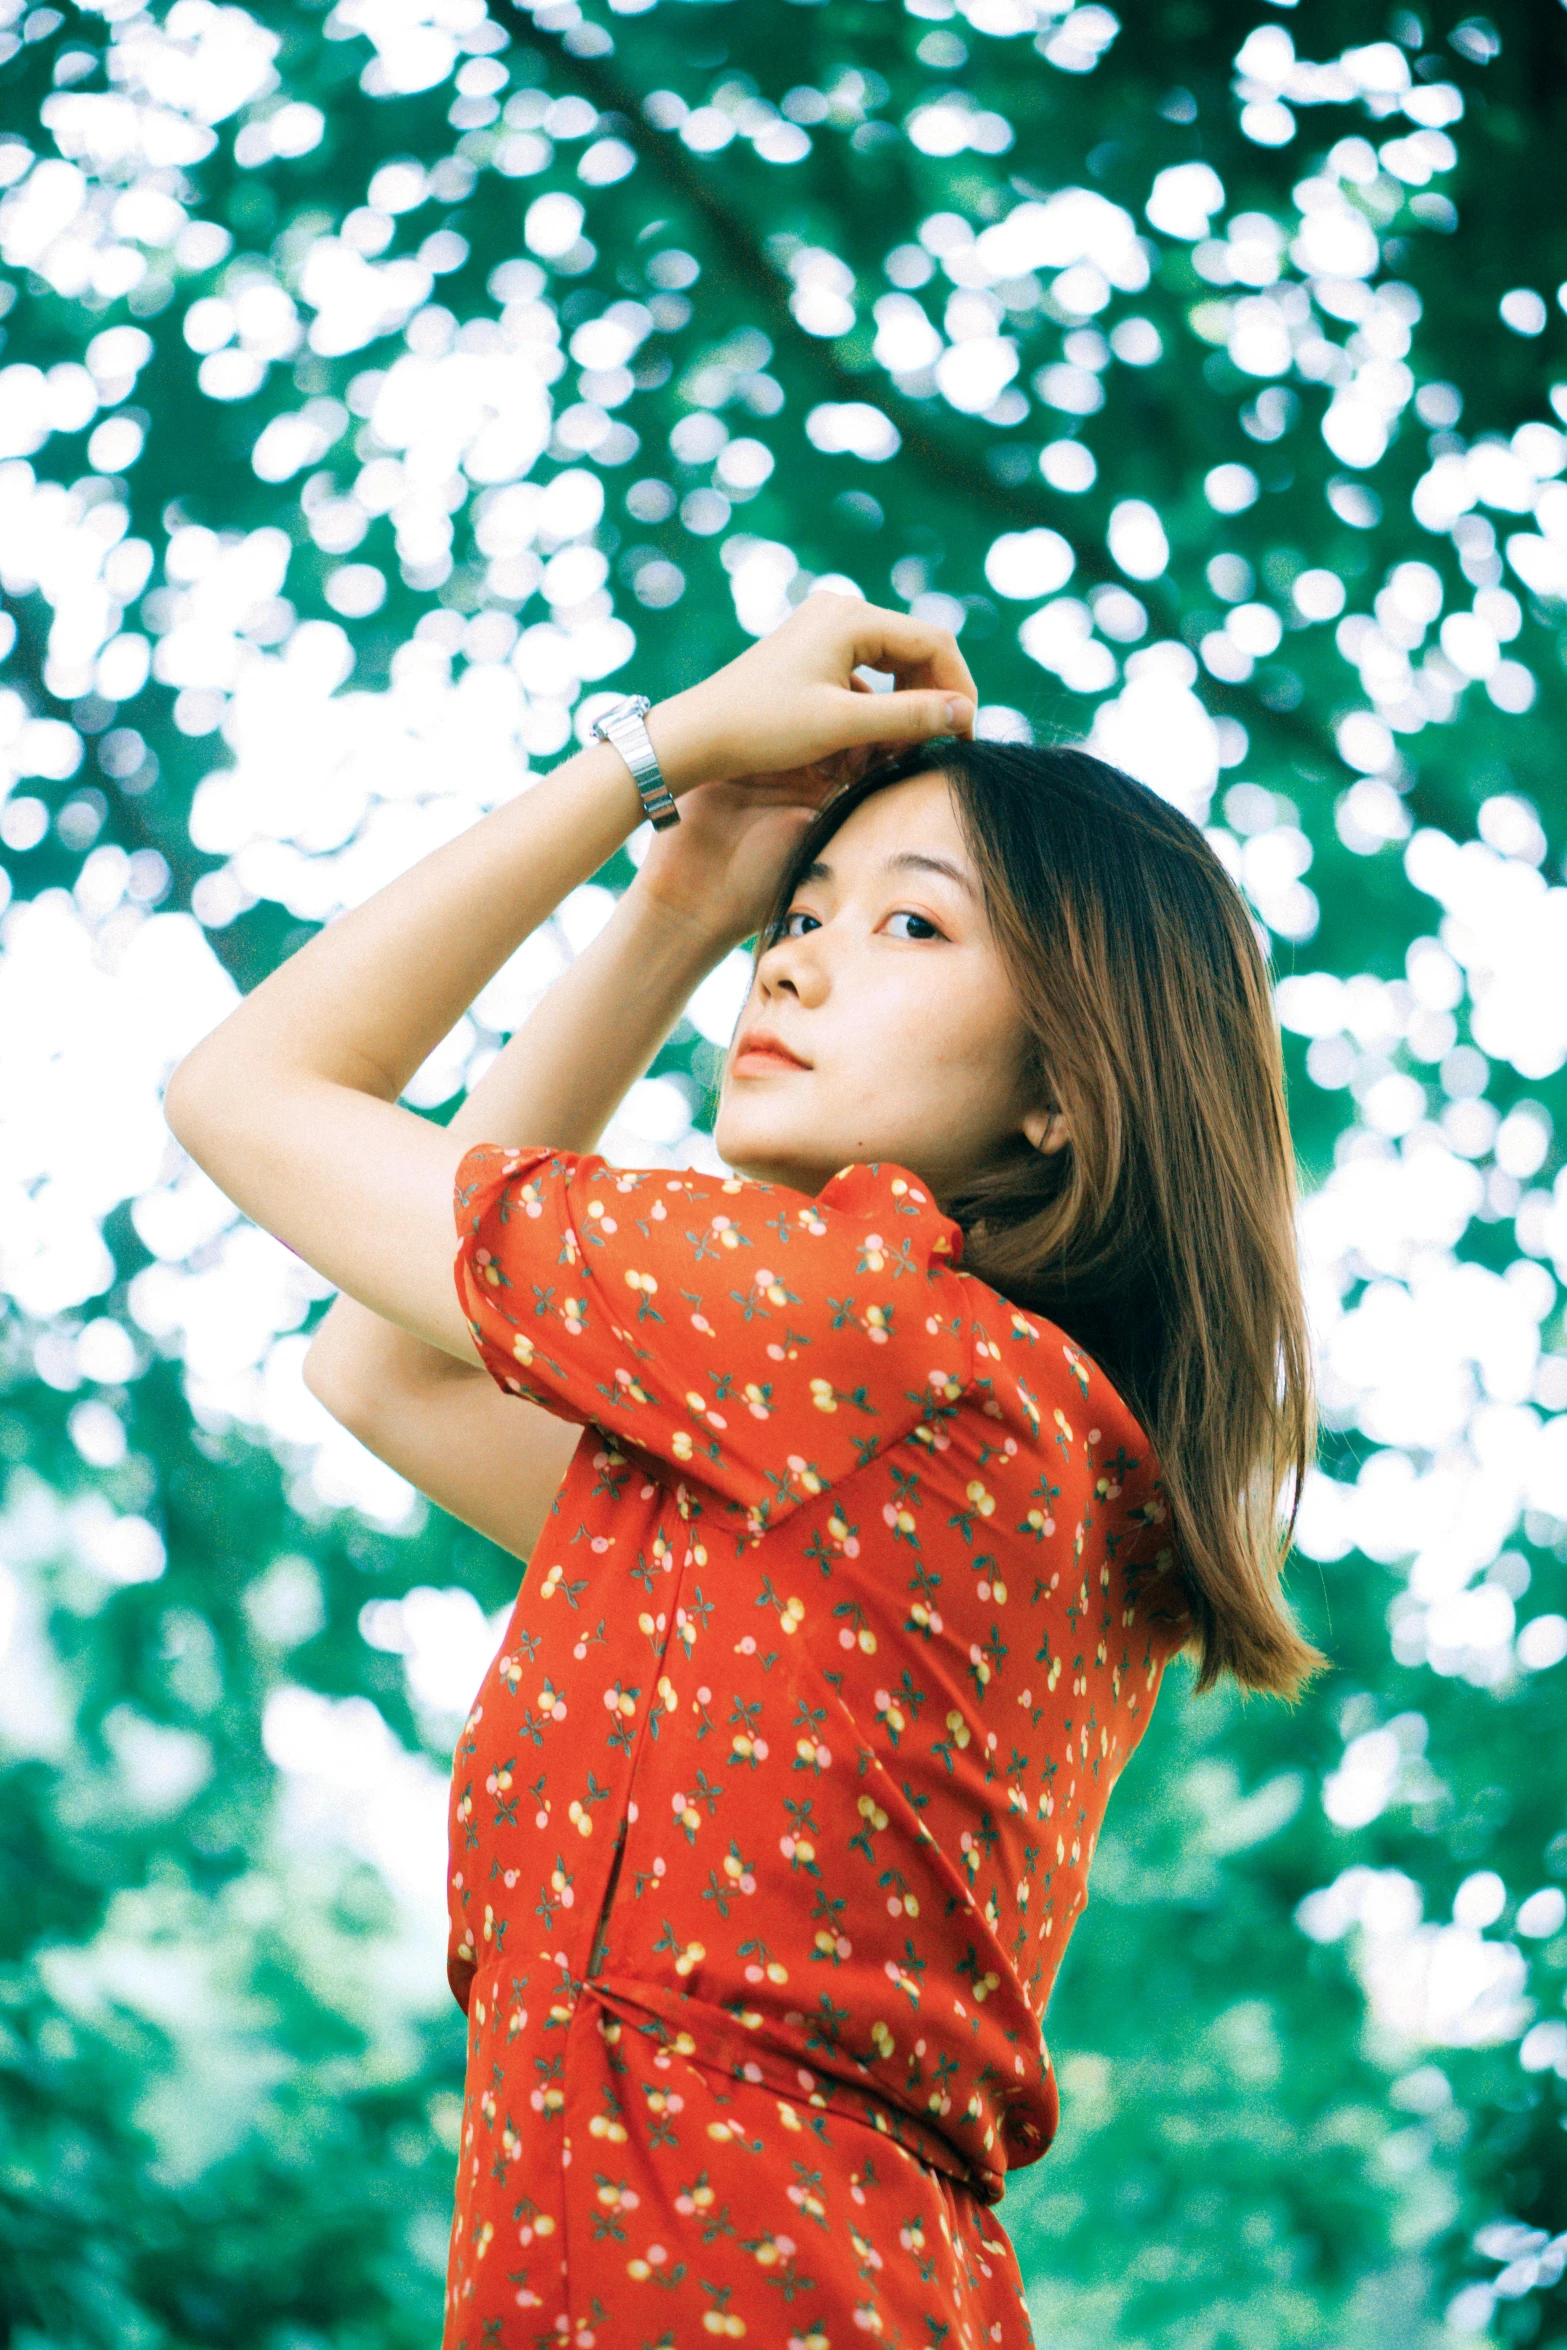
[(337, 1391), (187, 1103), (222, 1097)]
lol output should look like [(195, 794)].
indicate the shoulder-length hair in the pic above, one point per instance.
[(1161, 1235)]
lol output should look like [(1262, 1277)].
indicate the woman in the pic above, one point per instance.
[(852, 1576)]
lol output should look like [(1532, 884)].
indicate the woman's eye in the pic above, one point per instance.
[(796, 923), (913, 926)]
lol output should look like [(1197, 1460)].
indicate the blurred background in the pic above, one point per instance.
[(384, 387)]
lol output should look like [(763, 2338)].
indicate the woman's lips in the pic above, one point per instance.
[(763, 1056)]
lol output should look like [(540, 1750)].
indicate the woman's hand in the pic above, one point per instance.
[(791, 710), (718, 868), (754, 750)]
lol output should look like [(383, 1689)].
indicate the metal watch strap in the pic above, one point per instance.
[(623, 730)]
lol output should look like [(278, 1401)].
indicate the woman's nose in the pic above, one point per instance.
[(790, 967)]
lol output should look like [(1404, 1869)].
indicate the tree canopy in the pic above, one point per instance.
[(383, 389)]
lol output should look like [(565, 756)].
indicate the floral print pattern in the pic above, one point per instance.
[(775, 1811)]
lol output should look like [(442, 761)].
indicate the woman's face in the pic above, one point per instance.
[(881, 1024)]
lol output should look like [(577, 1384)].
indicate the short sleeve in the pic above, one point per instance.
[(763, 1343)]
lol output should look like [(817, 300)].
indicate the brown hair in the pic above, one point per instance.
[(1161, 1235)]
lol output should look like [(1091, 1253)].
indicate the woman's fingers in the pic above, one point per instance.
[(912, 717), (794, 701), (913, 650), (934, 694)]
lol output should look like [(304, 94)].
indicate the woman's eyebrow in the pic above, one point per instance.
[(911, 862)]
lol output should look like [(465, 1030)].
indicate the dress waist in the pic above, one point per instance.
[(805, 2082)]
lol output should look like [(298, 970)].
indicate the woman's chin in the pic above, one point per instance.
[(762, 1155)]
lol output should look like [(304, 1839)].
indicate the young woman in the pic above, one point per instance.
[(852, 1572)]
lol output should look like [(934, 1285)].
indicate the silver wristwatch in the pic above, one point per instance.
[(623, 730)]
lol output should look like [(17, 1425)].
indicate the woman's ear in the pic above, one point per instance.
[(1046, 1130)]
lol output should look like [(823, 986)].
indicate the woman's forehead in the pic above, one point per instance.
[(915, 814)]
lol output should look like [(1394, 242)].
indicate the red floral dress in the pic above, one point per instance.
[(774, 1813)]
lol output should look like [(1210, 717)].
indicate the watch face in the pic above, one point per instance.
[(634, 706)]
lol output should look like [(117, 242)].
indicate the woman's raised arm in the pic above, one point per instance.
[(291, 1104)]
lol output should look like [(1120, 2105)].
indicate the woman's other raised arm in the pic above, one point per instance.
[(491, 1460)]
